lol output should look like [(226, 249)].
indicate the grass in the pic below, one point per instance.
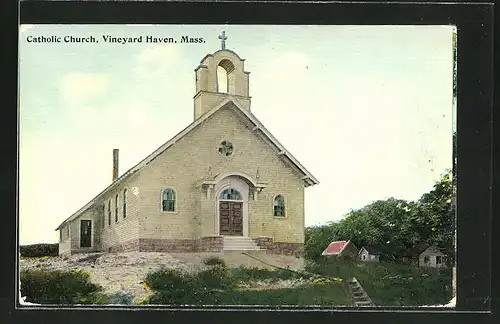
[(221, 286), (391, 284), (387, 285)]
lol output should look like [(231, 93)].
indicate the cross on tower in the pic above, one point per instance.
[(223, 38)]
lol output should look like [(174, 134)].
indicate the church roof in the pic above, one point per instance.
[(231, 103)]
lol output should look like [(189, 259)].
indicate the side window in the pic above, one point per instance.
[(116, 208), (109, 212), (168, 200), (279, 206), (125, 203)]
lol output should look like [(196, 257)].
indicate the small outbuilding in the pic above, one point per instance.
[(432, 257), (425, 256), (341, 249), (366, 255)]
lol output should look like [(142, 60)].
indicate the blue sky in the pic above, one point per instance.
[(374, 104)]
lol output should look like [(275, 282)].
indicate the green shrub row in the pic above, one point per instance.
[(324, 295), (219, 285), (39, 250), (60, 287)]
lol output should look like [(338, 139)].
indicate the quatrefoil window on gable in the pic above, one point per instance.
[(226, 148)]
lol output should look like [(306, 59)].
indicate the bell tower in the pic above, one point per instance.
[(219, 76)]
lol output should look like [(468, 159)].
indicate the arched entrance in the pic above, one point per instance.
[(232, 207)]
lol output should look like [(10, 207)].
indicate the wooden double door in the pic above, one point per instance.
[(231, 218)]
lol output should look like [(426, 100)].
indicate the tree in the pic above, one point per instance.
[(317, 238), (383, 224), (436, 211)]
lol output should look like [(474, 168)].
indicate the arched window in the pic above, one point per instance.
[(168, 200), (279, 206), (109, 212), (230, 194), (125, 203), (116, 208), (225, 81), (221, 80)]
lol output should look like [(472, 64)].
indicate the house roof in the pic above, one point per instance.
[(364, 249), (373, 250), (230, 103), (432, 250), (335, 248), (419, 249)]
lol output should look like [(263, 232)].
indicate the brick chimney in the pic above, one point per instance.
[(115, 164)]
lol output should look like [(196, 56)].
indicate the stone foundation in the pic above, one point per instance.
[(129, 246), (168, 245), (211, 244), (204, 244), (267, 243)]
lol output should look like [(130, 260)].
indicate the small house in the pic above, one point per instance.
[(425, 256), (341, 249), (432, 257), (365, 255)]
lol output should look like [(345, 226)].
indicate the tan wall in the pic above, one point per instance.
[(126, 229), (203, 100), (206, 81), (65, 243), (238, 79), (184, 165), (89, 214)]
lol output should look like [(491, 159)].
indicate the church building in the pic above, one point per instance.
[(223, 183)]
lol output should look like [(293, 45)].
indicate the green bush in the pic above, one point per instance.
[(243, 274), (214, 261), (173, 287), (326, 295), (216, 277), (120, 298), (60, 287), (39, 250)]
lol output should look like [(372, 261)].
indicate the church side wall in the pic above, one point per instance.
[(124, 234)]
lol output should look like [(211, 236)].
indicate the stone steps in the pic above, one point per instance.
[(239, 243), (359, 296)]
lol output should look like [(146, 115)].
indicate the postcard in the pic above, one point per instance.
[(249, 165)]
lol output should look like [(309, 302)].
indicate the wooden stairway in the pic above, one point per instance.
[(358, 294)]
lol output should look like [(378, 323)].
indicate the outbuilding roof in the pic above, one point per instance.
[(335, 248)]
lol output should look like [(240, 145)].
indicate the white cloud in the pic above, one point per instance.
[(78, 87)]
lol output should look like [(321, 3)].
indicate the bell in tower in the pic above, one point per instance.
[(219, 76)]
